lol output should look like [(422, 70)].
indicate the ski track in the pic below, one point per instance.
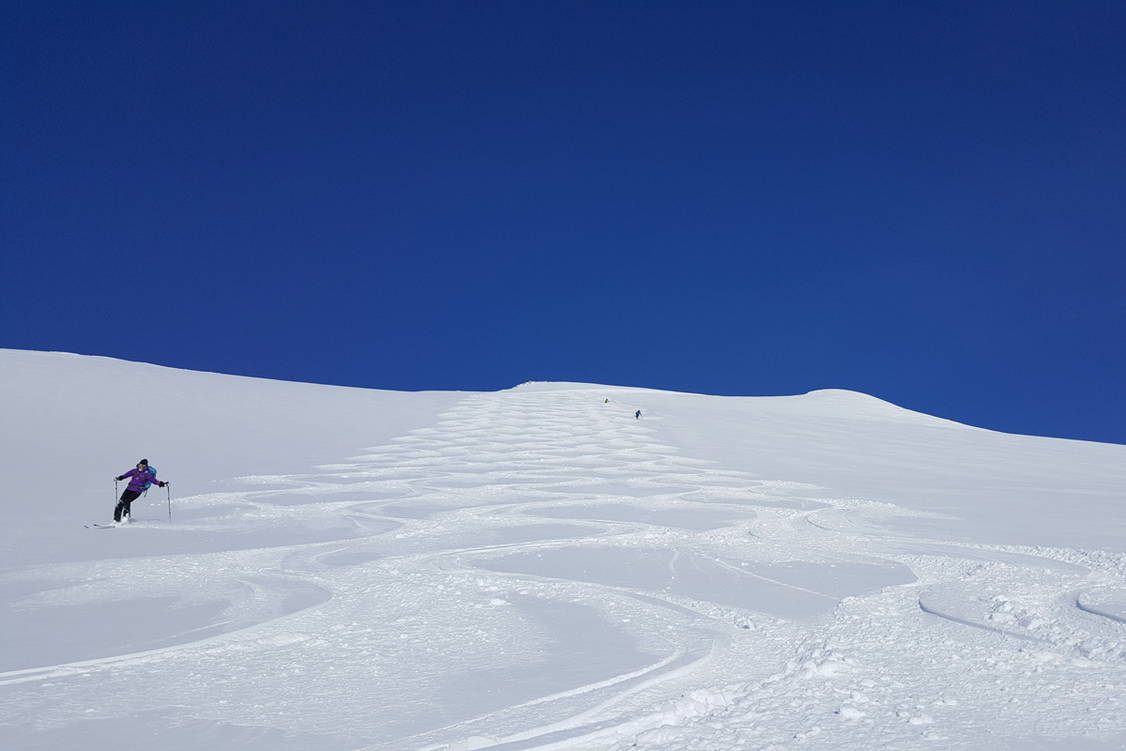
[(411, 543)]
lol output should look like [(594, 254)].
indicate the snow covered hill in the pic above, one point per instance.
[(536, 568)]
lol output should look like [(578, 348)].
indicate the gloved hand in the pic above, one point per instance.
[(162, 484)]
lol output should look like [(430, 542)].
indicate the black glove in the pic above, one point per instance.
[(118, 479), (162, 484)]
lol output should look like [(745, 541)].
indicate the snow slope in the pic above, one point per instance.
[(534, 569)]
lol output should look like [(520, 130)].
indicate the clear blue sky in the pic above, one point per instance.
[(922, 201)]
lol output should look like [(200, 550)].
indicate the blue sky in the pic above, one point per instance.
[(921, 201)]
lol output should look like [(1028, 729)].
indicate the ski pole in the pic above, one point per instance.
[(168, 487)]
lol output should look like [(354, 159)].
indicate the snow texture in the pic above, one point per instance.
[(536, 569)]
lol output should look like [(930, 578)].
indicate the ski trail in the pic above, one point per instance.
[(672, 666), (743, 572), (940, 613), (82, 667), (1116, 612), (586, 723)]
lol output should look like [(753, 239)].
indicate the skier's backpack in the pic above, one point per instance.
[(150, 478)]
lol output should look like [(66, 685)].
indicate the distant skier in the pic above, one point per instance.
[(637, 415), (140, 478)]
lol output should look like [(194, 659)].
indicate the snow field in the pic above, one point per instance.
[(535, 569)]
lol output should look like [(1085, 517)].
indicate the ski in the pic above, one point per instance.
[(98, 525)]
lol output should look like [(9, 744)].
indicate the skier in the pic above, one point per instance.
[(139, 480), (637, 415)]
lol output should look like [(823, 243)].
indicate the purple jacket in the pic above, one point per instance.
[(139, 478)]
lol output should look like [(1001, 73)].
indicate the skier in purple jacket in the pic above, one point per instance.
[(139, 479)]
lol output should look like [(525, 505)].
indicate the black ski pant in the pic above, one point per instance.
[(122, 508)]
